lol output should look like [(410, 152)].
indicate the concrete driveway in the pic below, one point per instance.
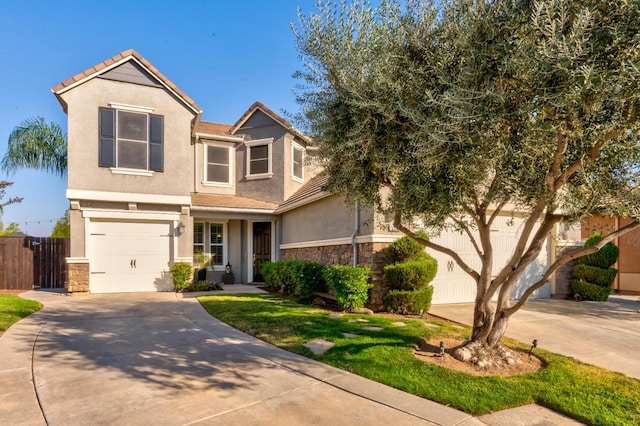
[(606, 334), (158, 358)]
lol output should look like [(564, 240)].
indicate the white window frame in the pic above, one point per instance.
[(203, 244), (297, 147), (206, 181), (207, 242), (258, 142)]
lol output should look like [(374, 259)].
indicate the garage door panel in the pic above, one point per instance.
[(453, 285), (130, 256)]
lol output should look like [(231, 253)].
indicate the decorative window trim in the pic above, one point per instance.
[(133, 172), (259, 142), (133, 108), (296, 146), (231, 151)]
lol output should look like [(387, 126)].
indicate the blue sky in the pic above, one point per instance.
[(223, 54)]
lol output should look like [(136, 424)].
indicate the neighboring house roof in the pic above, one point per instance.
[(115, 61), (200, 201), (259, 106), (310, 191)]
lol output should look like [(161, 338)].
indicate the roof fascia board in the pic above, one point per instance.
[(304, 201)]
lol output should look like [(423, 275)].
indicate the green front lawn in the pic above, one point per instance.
[(584, 392), (14, 308)]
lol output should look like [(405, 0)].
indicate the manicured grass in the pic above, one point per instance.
[(587, 393), (14, 308)]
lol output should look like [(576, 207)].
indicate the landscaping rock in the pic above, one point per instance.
[(318, 301), (371, 328)]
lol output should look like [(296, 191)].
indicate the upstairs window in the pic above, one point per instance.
[(130, 140), (218, 166), (297, 162), (259, 158)]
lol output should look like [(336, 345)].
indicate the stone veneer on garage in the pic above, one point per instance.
[(78, 277), (370, 254)]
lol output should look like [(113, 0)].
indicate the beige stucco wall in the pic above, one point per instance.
[(325, 219), (83, 171)]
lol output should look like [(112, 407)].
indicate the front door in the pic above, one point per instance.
[(261, 247)]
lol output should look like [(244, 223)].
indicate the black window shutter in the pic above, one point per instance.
[(156, 142), (107, 141)]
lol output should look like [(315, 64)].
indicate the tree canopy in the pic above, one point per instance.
[(464, 110), (36, 145), (62, 228)]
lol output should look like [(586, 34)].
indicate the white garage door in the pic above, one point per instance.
[(453, 285), (130, 256)]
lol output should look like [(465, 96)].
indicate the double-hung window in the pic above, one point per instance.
[(259, 158), (209, 239), (218, 166), (130, 140), (216, 243), (297, 162)]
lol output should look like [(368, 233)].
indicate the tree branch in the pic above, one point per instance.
[(566, 259), (397, 222)]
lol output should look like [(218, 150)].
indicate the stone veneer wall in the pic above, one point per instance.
[(563, 275), (78, 277), (370, 254)]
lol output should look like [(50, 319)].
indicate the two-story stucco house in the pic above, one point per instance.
[(150, 183)]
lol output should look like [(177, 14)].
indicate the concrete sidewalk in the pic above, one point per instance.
[(159, 358), (606, 334)]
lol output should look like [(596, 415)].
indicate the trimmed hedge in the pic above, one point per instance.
[(409, 302), (204, 285), (590, 291), (300, 278), (412, 275), (603, 258), (595, 275), (181, 274), (403, 249), (350, 285)]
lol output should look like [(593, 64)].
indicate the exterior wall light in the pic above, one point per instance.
[(181, 228)]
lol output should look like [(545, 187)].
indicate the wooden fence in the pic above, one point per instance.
[(31, 262)]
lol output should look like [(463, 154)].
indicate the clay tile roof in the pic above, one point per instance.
[(308, 190), (229, 201), (122, 56), (212, 128)]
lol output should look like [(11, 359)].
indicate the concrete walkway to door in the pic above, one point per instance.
[(606, 334), (159, 358)]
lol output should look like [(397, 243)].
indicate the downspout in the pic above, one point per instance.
[(195, 165), (355, 233)]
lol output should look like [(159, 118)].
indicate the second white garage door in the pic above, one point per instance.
[(130, 256), (453, 285)]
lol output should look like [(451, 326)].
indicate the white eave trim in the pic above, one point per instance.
[(224, 138), (232, 210), (81, 194), (129, 215), (303, 202)]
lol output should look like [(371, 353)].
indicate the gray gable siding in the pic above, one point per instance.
[(258, 119), (131, 72)]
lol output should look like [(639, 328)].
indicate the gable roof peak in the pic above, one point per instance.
[(115, 61), (259, 106)]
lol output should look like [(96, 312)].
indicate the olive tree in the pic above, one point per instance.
[(461, 111)]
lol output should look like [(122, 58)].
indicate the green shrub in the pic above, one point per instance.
[(204, 285), (413, 275), (595, 275), (403, 249), (409, 302), (181, 274), (590, 291), (350, 284), (603, 258), (301, 278)]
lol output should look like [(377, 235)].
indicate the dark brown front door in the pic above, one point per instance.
[(261, 247)]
